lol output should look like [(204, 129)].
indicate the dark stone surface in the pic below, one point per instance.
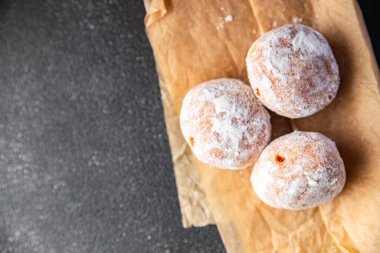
[(371, 14), (84, 158)]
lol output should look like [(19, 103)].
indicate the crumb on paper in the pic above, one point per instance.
[(296, 20), (229, 18), (223, 21), (274, 23), (220, 26)]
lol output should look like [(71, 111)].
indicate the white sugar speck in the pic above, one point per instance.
[(296, 20), (223, 20), (220, 26), (274, 23), (229, 18)]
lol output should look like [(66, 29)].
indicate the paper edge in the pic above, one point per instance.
[(155, 10)]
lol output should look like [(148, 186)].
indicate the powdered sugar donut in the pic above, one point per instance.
[(299, 170), (224, 124), (293, 71)]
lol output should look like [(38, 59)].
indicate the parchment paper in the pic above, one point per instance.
[(194, 41)]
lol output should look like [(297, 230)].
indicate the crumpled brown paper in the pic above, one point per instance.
[(195, 41)]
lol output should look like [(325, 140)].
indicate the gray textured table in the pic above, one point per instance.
[(84, 160)]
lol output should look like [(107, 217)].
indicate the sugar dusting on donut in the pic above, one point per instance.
[(224, 123), (294, 70), (299, 170)]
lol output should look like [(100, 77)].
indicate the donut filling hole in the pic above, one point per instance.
[(280, 159), (191, 141), (258, 92)]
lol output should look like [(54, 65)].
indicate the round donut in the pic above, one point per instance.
[(224, 124), (293, 71), (299, 170)]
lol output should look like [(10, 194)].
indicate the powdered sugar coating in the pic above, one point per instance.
[(299, 170), (293, 71), (224, 124)]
